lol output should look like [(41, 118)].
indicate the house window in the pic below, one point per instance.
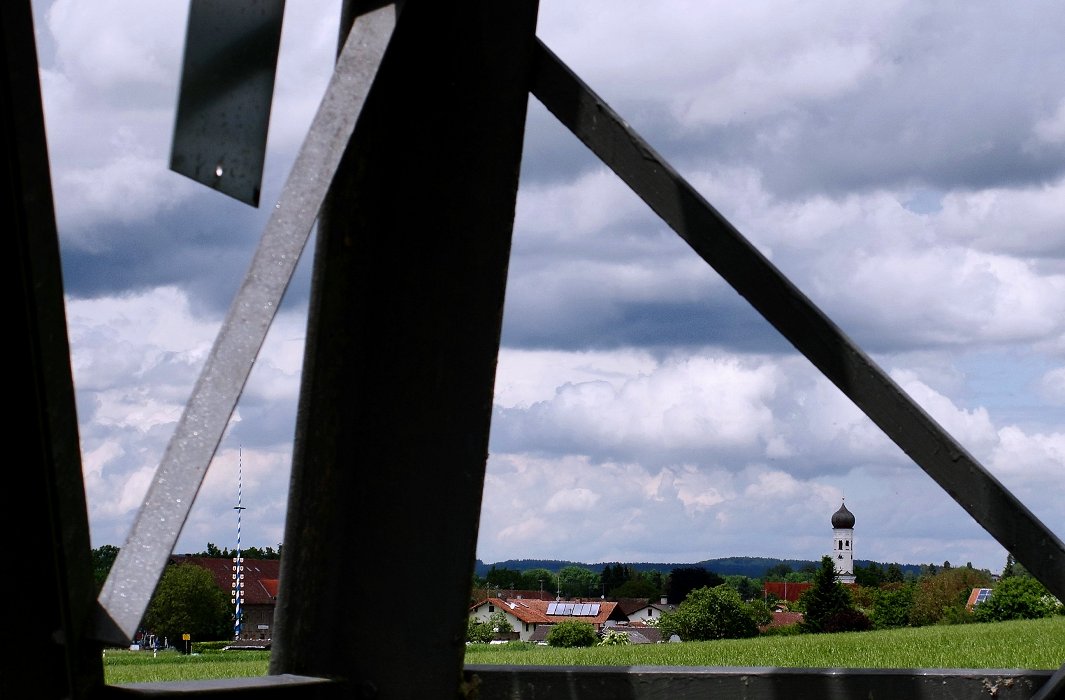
[(491, 608)]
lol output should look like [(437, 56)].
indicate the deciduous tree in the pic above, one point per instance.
[(577, 581), (572, 633), (478, 632), (710, 613), (891, 606), (1017, 598), (188, 601), (103, 558), (500, 623), (635, 588), (682, 580), (538, 579), (941, 597)]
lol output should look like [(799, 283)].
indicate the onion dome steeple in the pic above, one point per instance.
[(843, 519)]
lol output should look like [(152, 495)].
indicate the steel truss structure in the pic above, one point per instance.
[(402, 342)]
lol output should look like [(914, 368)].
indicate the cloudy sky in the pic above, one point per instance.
[(903, 163)]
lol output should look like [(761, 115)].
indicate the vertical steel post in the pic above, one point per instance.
[(402, 342), (53, 578)]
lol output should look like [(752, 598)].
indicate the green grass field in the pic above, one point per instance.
[(123, 666), (1029, 644)]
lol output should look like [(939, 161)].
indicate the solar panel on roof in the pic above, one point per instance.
[(573, 609)]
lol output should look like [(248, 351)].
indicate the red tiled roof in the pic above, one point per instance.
[(260, 576), (535, 611), (786, 591), (974, 596), (782, 619)]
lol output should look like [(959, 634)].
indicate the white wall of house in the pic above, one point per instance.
[(484, 612), (650, 612)]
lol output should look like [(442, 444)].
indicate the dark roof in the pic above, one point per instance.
[(843, 519), (631, 605), (260, 576)]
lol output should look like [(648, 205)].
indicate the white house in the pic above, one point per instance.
[(526, 614)]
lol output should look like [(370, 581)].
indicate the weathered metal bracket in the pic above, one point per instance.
[(227, 86)]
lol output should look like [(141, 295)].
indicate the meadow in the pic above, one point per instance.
[(1022, 644)]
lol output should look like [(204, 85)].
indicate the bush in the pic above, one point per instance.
[(572, 633), (937, 597), (613, 638), (478, 632), (500, 624), (711, 613), (891, 606), (1017, 598), (759, 611)]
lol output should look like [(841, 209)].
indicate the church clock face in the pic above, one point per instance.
[(839, 557)]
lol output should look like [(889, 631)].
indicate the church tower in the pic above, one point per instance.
[(843, 544)]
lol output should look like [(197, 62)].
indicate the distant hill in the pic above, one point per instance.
[(752, 567)]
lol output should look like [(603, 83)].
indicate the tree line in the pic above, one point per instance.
[(188, 600), (714, 607), (617, 580)]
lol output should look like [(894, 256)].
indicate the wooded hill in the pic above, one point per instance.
[(751, 567)]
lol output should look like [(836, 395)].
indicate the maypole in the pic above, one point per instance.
[(238, 561)]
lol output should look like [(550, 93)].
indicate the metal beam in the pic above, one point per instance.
[(402, 343), (140, 561), (799, 320), (756, 683), (45, 512)]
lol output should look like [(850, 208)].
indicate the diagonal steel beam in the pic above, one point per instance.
[(797, 318), (141, 560)]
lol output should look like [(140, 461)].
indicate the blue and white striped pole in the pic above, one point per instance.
[(238, 561)]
